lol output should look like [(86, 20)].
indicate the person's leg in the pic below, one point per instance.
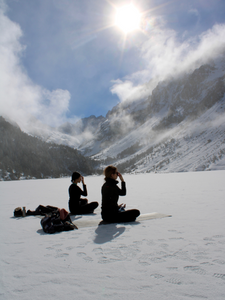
[(128, 215), (109, 218), (88, 208), (83, 202)]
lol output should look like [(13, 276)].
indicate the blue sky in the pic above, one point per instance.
[(64, 59)]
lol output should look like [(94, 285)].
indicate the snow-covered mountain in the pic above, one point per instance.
[(180, 126)]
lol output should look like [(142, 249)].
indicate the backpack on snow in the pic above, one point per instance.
[(52, 223)]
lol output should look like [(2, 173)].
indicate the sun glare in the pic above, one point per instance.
[(128, 18)]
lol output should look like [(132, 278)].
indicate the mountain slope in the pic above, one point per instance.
[(23, 156), (180, 127)]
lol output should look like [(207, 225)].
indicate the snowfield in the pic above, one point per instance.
[(181, 257)]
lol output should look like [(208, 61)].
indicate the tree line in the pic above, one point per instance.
[(25, 156)]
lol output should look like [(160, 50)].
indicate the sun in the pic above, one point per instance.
[(128, 18)]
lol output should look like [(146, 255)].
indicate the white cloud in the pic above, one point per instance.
[(125, 90), (165, 55), (20, 98), (55, 110)]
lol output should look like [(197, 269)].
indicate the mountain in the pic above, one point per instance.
[(23, 156), (179, 127)]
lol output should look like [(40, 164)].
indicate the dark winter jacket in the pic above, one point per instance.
[(75, 192), (110, 196)]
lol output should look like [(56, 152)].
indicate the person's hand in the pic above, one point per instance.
[(122, 205), (82, 179), (120, 176)]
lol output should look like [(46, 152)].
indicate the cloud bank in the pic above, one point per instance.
[(20, 98), (164, 56)]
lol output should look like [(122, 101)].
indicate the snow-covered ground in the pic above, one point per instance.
[(182, 257)]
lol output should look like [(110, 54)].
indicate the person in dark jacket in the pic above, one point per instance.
[(111, 211), (78, 205)]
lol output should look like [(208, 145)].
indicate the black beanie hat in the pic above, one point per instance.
[(75, 176)]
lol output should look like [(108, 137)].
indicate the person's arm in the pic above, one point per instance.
[(122, 191), (84, 192)]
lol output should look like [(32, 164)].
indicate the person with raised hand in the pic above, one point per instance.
[(112, 212), (78, 205)]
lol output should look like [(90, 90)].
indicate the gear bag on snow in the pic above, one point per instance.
[(52, 223)]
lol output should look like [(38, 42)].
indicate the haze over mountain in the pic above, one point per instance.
[(178, 127)]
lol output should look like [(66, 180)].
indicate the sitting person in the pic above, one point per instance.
[(111, 211), (77, 205)]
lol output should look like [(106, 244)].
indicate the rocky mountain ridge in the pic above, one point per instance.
[(182, 119)]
